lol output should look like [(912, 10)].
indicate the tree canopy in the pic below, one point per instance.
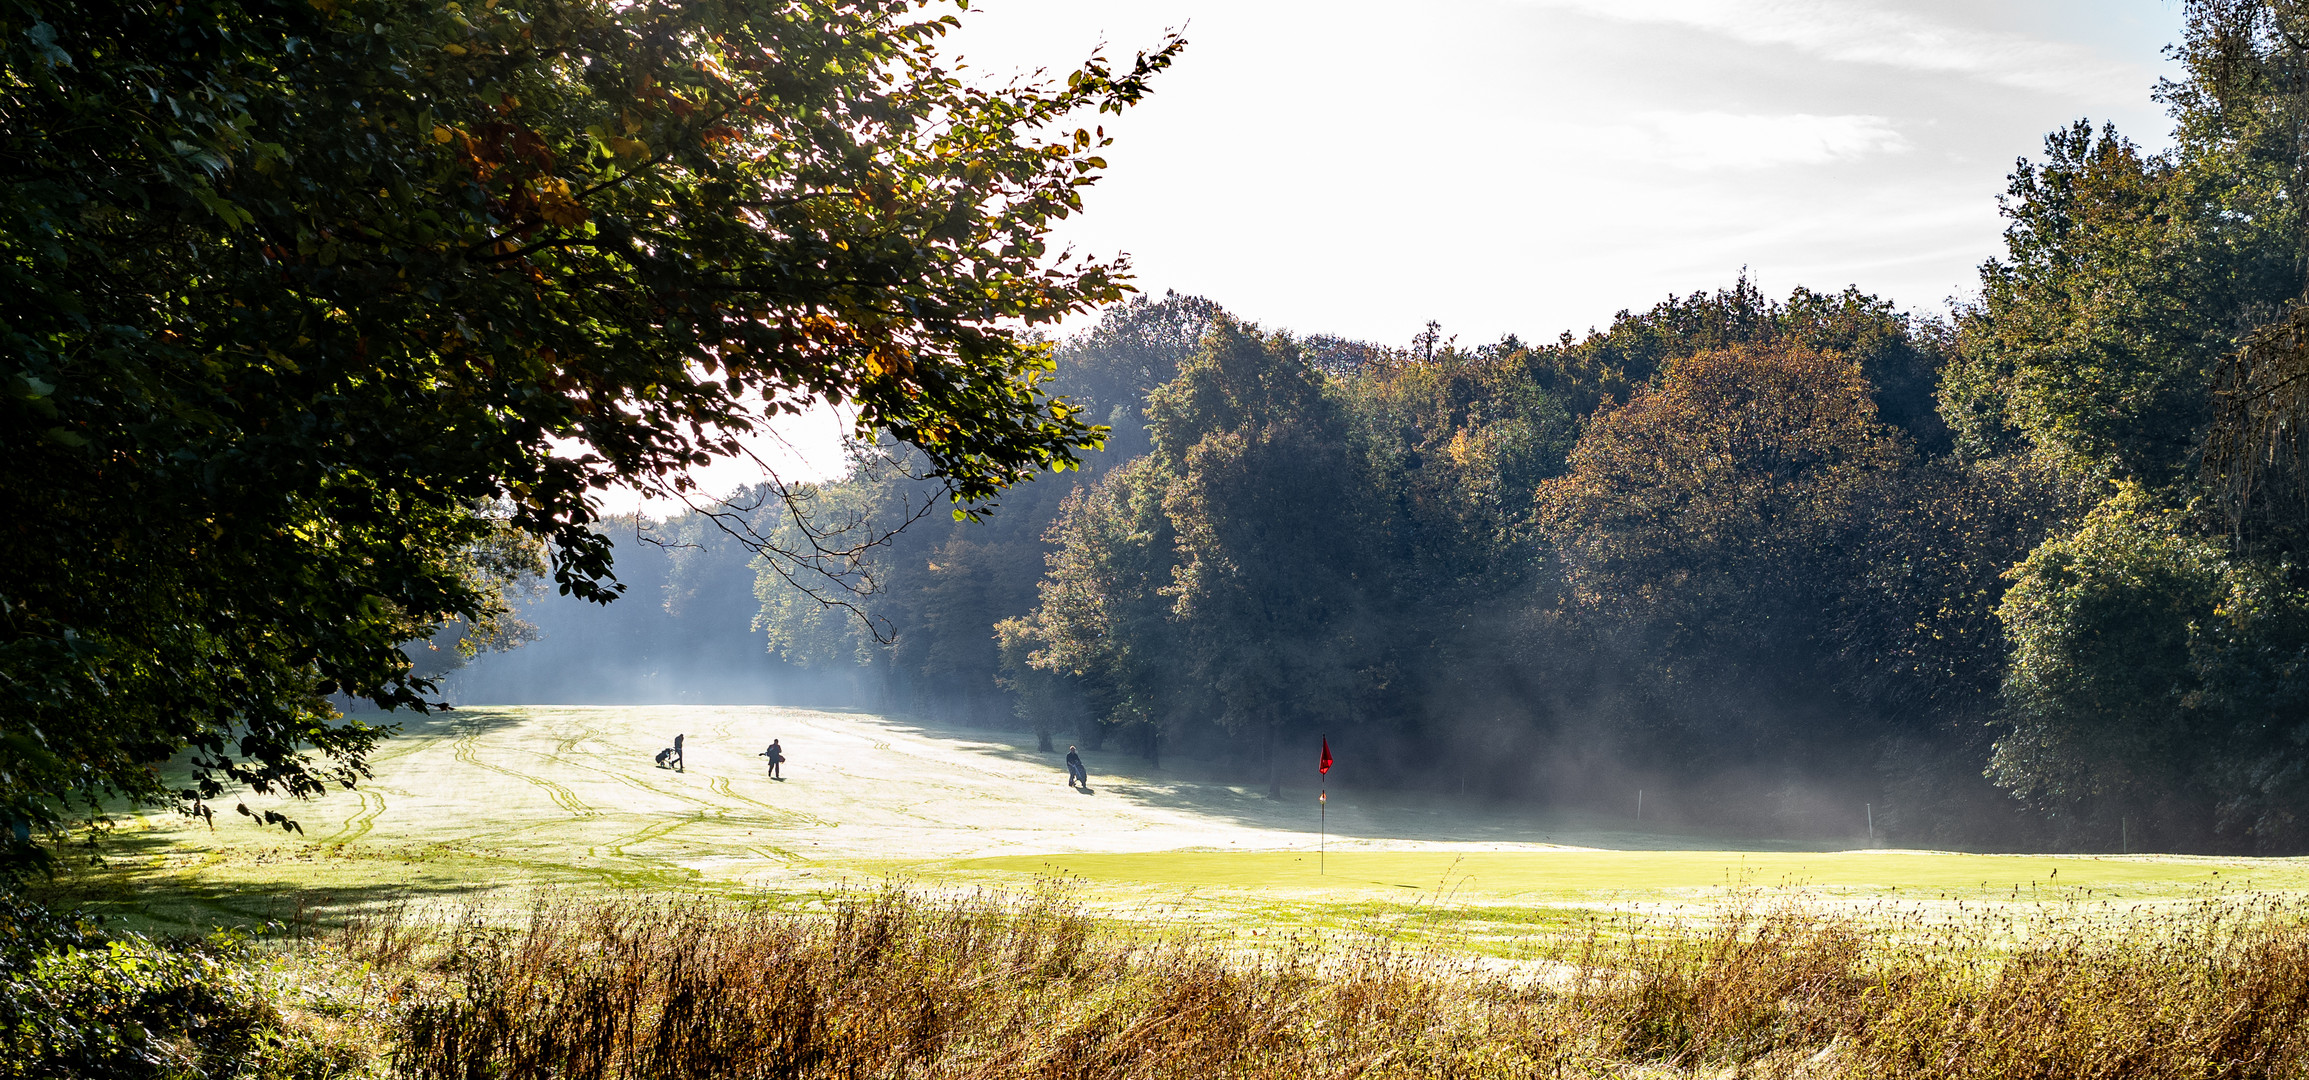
[(310, 298)]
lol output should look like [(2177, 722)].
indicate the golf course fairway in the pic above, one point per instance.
[(490, 805)]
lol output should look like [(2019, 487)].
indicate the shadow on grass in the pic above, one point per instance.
[(1208, 789), (122, 883), (154, 883)]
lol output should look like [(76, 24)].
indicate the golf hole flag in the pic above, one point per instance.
[(1325, 766)]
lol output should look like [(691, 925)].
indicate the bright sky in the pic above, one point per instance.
[(1533, 166), (1536, 165)]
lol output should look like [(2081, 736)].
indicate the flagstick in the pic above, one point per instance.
[(1323, 815)]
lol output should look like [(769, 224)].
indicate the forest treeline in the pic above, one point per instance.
[(2029, 573), (1725, 550)]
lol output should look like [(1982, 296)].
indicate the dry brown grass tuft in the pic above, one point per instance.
[(899, 984), (1751, 986), (2221, 991)]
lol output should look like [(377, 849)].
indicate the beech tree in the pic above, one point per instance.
[(1102, 620), (2143, 333), (2156, 677), (1705, 518), (295, 284)]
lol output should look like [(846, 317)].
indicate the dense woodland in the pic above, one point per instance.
[(2028, 573)]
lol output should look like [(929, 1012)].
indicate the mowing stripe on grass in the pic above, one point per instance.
[(1559, 872)]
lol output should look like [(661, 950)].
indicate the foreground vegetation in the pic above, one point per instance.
[(902, 983)]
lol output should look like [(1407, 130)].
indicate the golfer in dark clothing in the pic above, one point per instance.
[(680, 759), (777, 755), (1075, 774)]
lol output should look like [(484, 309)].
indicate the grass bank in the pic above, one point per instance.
[(901, 983)]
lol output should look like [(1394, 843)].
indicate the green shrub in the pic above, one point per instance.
[(77, 1002)]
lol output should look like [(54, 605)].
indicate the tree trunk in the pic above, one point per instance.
[(1042, 741)]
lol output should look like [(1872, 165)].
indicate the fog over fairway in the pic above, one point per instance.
[(503, 800), (575, 787), (1424, 552)]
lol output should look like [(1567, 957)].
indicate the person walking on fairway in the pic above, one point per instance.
[(776, 755), (1075, 773), (680, 759)]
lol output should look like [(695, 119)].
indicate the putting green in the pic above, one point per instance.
[(1619, 873)]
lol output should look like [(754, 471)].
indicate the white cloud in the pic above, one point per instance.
[(1708, 141), (1849, 31)]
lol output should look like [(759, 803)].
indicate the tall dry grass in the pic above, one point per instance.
[(899, 984)]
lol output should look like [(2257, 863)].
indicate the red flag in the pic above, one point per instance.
[(1325, 768)]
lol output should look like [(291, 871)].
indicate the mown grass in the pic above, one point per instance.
[(1655, 873), (900, 983)]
